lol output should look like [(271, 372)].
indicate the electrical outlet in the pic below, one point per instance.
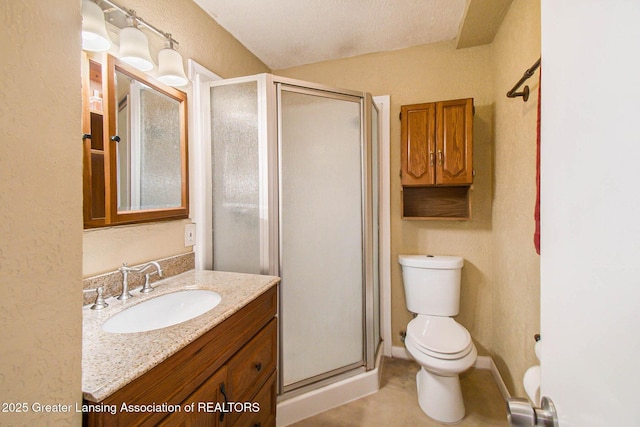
[(189, 234)]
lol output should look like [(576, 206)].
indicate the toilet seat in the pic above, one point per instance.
[(439, 337)]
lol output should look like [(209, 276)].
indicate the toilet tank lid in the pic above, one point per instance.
[(441, 262)]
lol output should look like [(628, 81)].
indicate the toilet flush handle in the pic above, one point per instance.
[(521, 414)]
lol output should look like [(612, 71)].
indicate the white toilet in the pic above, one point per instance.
[(438, 343)]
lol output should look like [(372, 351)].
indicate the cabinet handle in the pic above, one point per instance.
[(440, 157), (115, 138), (86, 136), (257, 424), (432, 158), (258, 366), (226, 401)]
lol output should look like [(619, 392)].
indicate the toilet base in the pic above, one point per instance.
[(440, 397)]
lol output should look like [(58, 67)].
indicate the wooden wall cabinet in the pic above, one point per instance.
[(437, 152), (235, 362), (135, 165)]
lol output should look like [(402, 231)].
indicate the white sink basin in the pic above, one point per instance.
[(163, 311)]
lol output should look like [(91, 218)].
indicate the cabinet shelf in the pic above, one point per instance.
[(436, 203)]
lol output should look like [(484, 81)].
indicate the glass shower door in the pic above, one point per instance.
[(321, 234)]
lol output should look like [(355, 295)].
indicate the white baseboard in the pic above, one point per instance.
[(498, 378), (400, 353), (482, 362), (311, 403)]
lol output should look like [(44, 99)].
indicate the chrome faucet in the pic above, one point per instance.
[(125, 278)]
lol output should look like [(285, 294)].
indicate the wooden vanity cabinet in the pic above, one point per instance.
[(232, 366), (437, 143)]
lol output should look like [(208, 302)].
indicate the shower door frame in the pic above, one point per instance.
[(367, 360), (268, 145)]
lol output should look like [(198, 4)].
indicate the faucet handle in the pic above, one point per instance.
[(99, 303), (146, 288)]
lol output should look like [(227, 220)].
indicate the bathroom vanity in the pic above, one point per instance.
[(218, 369)]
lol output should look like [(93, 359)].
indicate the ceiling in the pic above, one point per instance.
[(288, 33)]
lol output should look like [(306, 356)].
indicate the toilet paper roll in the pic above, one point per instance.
[(537, 348), (531, 382)]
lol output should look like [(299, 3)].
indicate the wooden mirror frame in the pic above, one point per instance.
[(112, 215)]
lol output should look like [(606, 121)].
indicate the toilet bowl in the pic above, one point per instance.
[(441, 346), (444, 349)]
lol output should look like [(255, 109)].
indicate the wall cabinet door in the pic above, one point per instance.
[(437, 143), (418, 144), (454, 142)]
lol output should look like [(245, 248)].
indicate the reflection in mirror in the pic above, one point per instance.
[(147, 137), (149, 151)]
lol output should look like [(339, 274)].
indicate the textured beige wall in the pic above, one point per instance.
[(516, 266), (40, 209), (422, 74), (204, 41), (105, 249)]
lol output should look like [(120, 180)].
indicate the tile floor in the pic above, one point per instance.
[(396, 404)]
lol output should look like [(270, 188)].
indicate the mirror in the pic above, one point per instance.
[(145, 160), (149, 150)]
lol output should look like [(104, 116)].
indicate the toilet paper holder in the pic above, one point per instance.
[(520, 413)]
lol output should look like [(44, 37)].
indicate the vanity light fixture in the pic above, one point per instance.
[(94, 30), (134, 47), (170, 67), (134, 44)]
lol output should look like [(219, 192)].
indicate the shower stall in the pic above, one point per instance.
[(295, 194)]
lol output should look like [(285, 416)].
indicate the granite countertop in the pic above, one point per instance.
[(111, 361)]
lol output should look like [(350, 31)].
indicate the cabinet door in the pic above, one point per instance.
[(265, 401), (454, 142), (418, 124), (252, 365), (94, 177), (206, 402)]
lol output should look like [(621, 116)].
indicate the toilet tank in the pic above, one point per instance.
[(432, 283)]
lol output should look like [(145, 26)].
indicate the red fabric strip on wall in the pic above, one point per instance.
[(536, 214)]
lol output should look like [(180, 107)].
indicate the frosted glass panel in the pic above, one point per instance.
[(149, 152), (236, 195), (160, 169), (321, 235)]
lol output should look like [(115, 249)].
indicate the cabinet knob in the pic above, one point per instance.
[(86, 136), (258, 366), (115, 138)]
